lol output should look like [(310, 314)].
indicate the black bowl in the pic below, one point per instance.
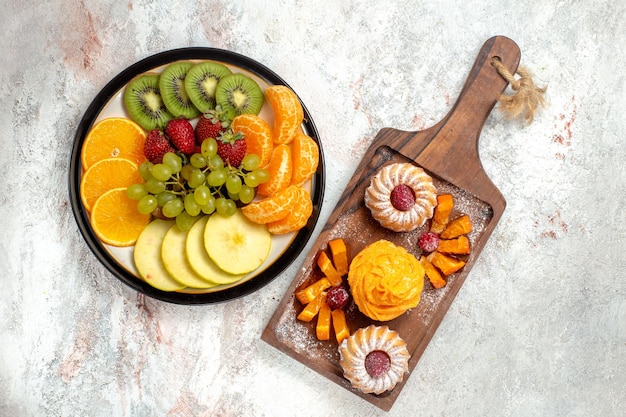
[(100, 102)]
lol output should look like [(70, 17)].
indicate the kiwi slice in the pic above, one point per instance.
[(240, 94), (201, 81), (172, 86), (143, 102)]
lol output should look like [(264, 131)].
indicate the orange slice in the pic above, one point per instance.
[(288, 112), (322, 329), (115, 137), (327, 267), (310, 311), (257, 134), (272, 208), (339, 324), (105, 175), (280, 169), (299, 213), (115, 219), (459, 226), (308, 294), (305, 155), (433, 274)]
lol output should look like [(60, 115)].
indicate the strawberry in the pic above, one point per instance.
[(156, 145), (180, 131), (231, 147), (211, 125)]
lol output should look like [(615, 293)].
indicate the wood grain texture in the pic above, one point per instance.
[(449, 152)]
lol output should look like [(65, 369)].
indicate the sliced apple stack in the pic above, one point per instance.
[(217, 250), (326, 297), (451, 241)]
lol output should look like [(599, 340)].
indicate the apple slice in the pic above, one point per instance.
[(147, 255), (235, 244), (174, 257), (200, 260)]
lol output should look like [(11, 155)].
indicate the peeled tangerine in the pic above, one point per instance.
[(385, 280)]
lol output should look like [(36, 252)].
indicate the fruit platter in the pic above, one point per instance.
[(196, 176)]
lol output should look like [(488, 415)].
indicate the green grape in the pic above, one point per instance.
[(251, 161), (185, 220), (173, 161), (191, 206), (165, 196), (216, 161), (252, 179), (263, 175), (136, 191), (208, 147), (246, 195), (197, 160), (144, 170), (196, 178), (201, 194), (155, 186), (185, 171), (233, 184), (221, 205), (209, 207), (217, 177), (231, 207), (161, 172), (234, 197), (173, 208), (147, 204)]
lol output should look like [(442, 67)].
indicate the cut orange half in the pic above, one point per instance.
[(105, 175), (115, 137), (115, 219)]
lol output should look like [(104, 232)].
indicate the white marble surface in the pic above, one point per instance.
[(539, 328)]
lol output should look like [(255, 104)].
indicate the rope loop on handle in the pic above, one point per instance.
[(527, 97)]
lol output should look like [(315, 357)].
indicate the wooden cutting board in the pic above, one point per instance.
[(448, 151)]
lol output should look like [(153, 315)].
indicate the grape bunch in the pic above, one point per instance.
[(183, 187)]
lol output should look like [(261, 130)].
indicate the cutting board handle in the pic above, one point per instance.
[(457, 134)]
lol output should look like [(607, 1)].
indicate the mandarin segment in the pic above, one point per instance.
[(114, 137), (298, 216), (280, 168), (115, 219), (305, 155), (272, 208), (257, 134), (105, 175), (288, 112)]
